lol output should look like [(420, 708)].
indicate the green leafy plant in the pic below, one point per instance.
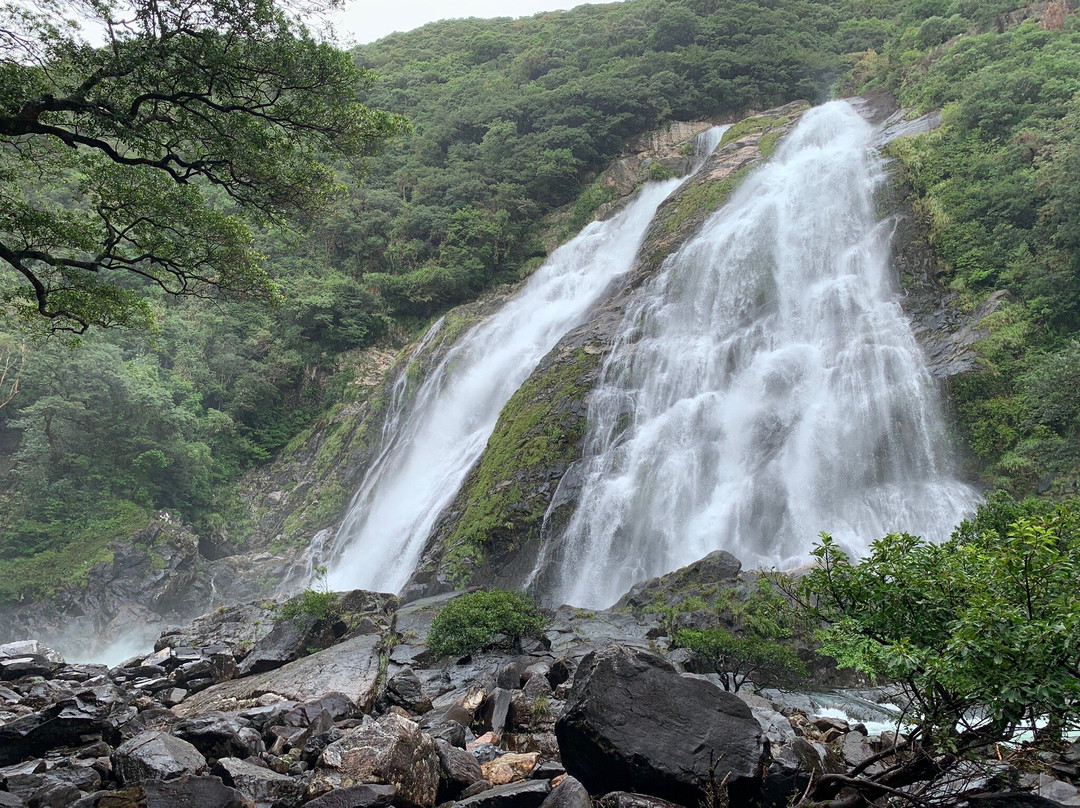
[(480, 619), (737, 659), (319, 602), (981, 634)]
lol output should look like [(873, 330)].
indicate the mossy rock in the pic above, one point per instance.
[(494, 524)]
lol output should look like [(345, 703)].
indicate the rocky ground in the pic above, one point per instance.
[(339, 703)]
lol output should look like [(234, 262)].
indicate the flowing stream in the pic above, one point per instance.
[(765, 386), (433, 437)]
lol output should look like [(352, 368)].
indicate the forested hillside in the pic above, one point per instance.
[(512, 120)]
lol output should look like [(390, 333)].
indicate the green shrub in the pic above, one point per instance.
[(736, 659), (481, 619)]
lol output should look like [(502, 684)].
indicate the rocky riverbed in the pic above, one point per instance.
[(258, 705)]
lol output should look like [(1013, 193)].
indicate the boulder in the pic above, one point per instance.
[(155, 755), (631, 721), (510, 768), (350, 668), (261, 785), (363, 796), (217, 735), (389, 751), (288, 640), (405, 689), (96, 710), (624, 799), (457, 770), (527, 794), (186, 792), (570, 793)]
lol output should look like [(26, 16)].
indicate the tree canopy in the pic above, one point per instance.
[(981, 635), (142, 161)]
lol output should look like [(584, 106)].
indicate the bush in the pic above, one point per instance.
[(736, 659), (482, 619)]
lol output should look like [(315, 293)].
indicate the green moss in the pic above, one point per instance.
[(750, 126), (68, 563), (767, 144), (534, 431), (703, 197), (657, 173)]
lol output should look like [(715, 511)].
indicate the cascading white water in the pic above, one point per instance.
[(766, 386), (437, 435)]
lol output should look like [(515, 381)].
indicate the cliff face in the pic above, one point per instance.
[(527, 483)]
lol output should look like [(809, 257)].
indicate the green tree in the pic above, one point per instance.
[(981, 634), (478, 620), (141, 163)]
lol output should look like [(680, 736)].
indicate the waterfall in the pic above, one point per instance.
[(765, 386), (433, 438)]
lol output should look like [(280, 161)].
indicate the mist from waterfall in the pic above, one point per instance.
[(434, 436), (765, 386)]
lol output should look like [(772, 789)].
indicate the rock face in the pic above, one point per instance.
[(632, 722), (492, 532), (389, 751), (351, 668)]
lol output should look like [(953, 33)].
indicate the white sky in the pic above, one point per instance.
[(367, 20)]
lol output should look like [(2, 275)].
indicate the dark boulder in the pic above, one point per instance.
[(631, 721), (155, 755), (526, 794), (217, 735), (458, 770), (363, 796), (287, 640), (263, 786), (187, 792), (97, 710), (570, 793)]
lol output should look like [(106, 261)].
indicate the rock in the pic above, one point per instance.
[(510, 768), (186, 792), (1011, 799), (574, 633), (263, 786), (11, 800), (217, 735), (405, 689), (54, 794), (632, 721), (288, 640), (548, 770), (96, 710), (390, 751), (450, 731), (457, 770), (527, 794), (569, 793), (155, 755), (624, 799), (856, 748), (23, 648), (363, 796), (350, 668), (495, 709)]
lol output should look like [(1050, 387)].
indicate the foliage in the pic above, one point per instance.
[(130, 165), (997, 183), (478, 620), (739, 659), (981, 633), (318, 602)]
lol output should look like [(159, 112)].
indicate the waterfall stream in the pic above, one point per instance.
[(435, 436), (765, 386)]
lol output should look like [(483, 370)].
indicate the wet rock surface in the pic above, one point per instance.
[(356, 726)]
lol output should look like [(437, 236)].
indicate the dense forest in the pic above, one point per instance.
[(511, 120)]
